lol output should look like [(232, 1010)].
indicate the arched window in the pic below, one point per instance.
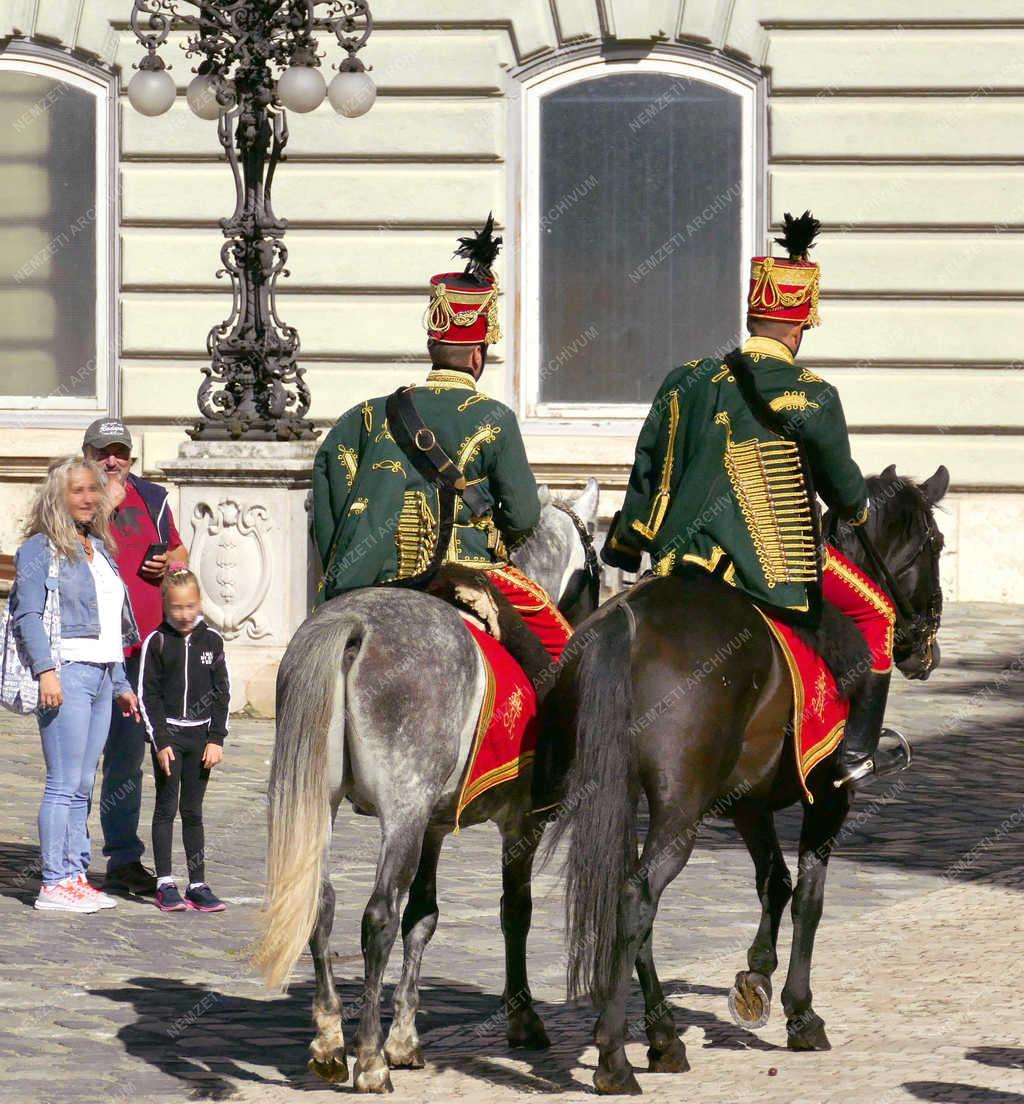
[(56, 240), (641, 182)]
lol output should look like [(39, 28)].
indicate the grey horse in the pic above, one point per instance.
[(378, 696)]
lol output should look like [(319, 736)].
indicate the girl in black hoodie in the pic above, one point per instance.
[(184, 695)]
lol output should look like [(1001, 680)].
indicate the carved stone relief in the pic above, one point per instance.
[(232, 557)]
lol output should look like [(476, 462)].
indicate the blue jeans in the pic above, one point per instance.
[(73, 736), (121, 791)]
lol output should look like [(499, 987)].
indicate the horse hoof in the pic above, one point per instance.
[(616, 1083), (409, 1057), (750, 1000), (526, 1032), (807, 1032), (374, 1080), (331, 1069), (669, 1059)]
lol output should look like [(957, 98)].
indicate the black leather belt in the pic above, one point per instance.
[(419, 443)]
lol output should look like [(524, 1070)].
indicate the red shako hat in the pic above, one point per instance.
[(464, 305), (787, 289)]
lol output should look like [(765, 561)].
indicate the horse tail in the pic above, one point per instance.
[(599, 809), (310, 692)]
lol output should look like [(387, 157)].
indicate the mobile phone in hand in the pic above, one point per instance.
[(155, 549)]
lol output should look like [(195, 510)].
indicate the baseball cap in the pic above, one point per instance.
[(107, 431)]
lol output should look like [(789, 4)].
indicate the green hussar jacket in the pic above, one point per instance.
[(376, 519), (712, 485)]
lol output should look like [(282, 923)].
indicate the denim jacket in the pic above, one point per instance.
[(79, 610)]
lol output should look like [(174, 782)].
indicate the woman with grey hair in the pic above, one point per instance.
[(69, 551)]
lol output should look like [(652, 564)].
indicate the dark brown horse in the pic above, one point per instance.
[(680, 693)]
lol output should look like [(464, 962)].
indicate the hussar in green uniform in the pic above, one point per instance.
[(728, 467), (376, 519)]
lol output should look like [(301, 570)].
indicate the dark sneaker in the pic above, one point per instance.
[(168, 899), (202, 899), (133, 877)]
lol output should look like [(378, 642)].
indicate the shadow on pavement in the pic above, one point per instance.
[(1000, 1057), (19, 871), (209, 1041), (943, 1092)]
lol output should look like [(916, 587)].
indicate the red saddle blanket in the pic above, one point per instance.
[(819, 713), (506, 732)]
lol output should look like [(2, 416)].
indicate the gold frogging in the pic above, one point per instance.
[(768, 482)]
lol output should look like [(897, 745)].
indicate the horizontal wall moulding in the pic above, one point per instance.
[(410, 63), (914, 61), (893, 93), (393, 129), (379, 196), (901, 196)]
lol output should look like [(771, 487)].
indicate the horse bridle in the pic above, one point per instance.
[(922, 629), (590, 577)]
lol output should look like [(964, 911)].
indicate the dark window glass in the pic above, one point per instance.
[(640, 235), (47, 237)]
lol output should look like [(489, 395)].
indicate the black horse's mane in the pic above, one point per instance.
[(896, 502)]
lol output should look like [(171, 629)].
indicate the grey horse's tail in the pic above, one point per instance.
[(310, 687), (599, 809)]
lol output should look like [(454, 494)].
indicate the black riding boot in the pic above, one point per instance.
[(863, 729)]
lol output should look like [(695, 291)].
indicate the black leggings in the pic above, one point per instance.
[(188, 777)]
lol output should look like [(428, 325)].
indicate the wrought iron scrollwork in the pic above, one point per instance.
[(253, 387)]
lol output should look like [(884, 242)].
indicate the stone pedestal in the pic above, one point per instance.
[(244, 517)]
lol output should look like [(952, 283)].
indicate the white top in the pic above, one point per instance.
[(107, 647)]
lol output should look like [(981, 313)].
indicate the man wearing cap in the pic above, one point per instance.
[(141, 518), (436, 473), (727, 467)]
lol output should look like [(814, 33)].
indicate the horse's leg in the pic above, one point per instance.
[(666, 1052), (419, 921), (399, 860), (328, 1060), (822, 820), (519, 841), (666, 851), (750, 999)]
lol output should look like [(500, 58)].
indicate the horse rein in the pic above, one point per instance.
[(590, 577), (924, 628)]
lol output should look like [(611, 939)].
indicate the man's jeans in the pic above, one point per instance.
[(121, 793), (73, 737)]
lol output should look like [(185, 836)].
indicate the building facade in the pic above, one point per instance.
[(635, 153)]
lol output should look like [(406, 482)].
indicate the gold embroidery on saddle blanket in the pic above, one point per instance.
[(818, 724), (506, 733), (768, 482)]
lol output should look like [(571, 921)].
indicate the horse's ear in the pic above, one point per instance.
[(544, 494), (890, 472), (934, 489), (585, 503)]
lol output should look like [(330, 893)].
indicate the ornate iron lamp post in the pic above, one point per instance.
[(253, 388)]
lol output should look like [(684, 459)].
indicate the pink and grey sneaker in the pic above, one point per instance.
[(64, 896), (168, 899), (201, 898), (90, 893)]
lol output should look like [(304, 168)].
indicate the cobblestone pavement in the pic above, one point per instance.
[(917, 970)]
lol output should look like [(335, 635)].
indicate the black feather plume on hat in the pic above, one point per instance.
[(480, 250), (798, 235)]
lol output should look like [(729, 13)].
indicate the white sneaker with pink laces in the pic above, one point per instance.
[(91, 893), (64, 896)]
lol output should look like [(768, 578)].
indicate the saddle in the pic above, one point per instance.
[(470, 591)]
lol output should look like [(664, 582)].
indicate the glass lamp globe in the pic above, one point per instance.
[(301, 88), (202, 97), (352, 93), (151, 91)]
